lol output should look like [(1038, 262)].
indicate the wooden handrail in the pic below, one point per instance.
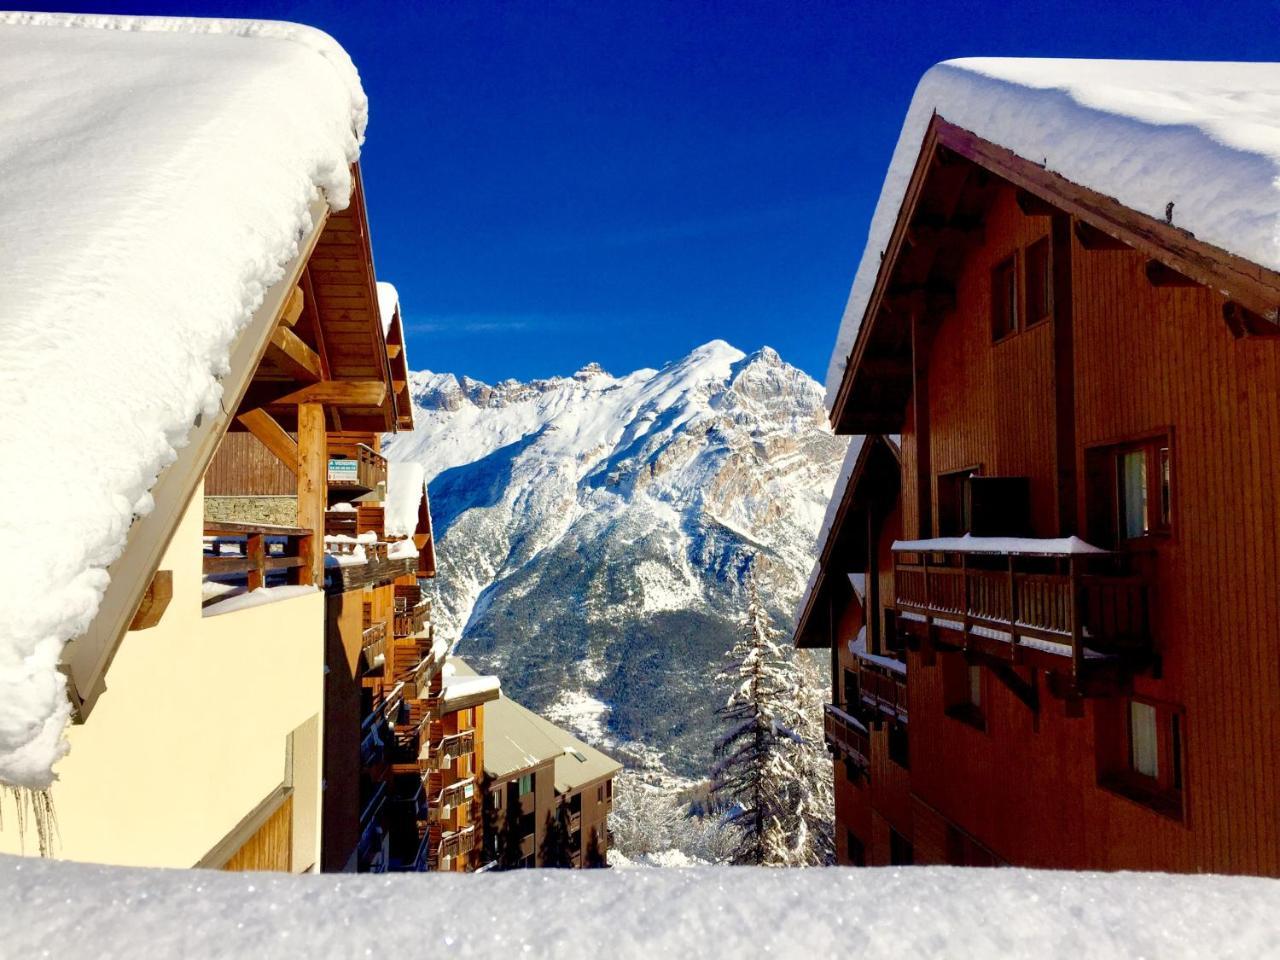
[(255, 560)]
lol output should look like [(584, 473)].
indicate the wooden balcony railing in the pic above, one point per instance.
[(846, 734), (355, 466), (883, 690), (456, 745), (373, 642), (457, 843), (1077, 604), (252, 554)]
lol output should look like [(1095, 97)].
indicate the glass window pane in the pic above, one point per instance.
[(975, 685), (1144, 753), (1166, 502), (1133, 494)]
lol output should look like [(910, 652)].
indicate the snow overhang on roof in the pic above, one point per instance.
[(869, 481), (160, 179), (1112, 143)]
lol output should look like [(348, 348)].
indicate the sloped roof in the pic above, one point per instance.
[(516, 738), (1202, 136), (157, 178)]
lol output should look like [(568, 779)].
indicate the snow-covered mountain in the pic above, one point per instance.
[(593, 532)]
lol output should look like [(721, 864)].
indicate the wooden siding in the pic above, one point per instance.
[(1147, 361), (271, 847), (243, 466)]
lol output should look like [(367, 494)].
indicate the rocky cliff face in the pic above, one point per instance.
[(593, 532)]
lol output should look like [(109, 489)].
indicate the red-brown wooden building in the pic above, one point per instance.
[(1077, 407)]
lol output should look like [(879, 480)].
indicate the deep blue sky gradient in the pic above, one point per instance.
[(551, 183)]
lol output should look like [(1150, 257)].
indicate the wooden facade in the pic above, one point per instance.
[(1112, 711)]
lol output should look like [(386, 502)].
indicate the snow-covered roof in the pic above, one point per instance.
[(1204, 136), (156, 177), (516, 738), (882, 913), (406, 487), (388, 303)]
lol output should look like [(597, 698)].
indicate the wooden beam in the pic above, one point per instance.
[(272, 436), (1064, 375), (293, 356), (1091, 238), (154, 602), (347, 393), (292, 308), (1246, 323), (920, 408), (1159, 275), (313, 476), (393, 350), (1034, 206)]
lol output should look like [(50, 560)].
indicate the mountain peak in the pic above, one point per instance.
[(590, 371)]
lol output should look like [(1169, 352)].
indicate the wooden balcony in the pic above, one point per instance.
[(1061, 610), (412, 611), (883, 690), (846, 735), (355, 466), (456, 745), (373, 642), (257, 555)]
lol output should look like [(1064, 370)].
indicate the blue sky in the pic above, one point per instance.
[(551, 183)]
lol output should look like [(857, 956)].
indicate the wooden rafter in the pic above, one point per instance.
[(292, 308), (293, 356), (348, 393), (272, 436)]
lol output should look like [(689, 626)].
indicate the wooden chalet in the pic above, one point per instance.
[(1049, 583)]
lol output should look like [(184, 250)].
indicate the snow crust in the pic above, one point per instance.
[(155, 180), (1033, 546), (456, 688), (388, 301), (873, 913), (406, 486), (1204, 136), (257, 598)]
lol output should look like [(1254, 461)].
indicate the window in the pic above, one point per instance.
[(1131, 495), (857, 852), (1038, 271), (901, 853), (600, 794), (899, 751), (1140, 744), (964, 851), (852, 772), (962, 688), (955, 516), (1004, 299), (524, 785)]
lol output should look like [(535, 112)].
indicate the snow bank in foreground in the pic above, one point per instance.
[(155, 180), (918, 912), (1205, 136)]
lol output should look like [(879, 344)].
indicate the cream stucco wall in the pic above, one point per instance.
[(194, 729)]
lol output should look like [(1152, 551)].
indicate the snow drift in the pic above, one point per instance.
[(888, 913)]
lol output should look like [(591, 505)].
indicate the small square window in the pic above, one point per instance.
[(1038, 270), (1136, 501), (1004, 299), (1140, 745), (857, 851), (899, 748)]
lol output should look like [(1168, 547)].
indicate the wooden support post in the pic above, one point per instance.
[(1064, 375), (967, 606), (835, 649), (920, 409), (1013, 605), (255, 552), (313, 477), (873, 585), (928, 598), (1077, 639)]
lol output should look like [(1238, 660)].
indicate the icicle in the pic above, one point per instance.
[(39, 803)]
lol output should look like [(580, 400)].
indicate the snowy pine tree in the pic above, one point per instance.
[(771, 774), (755, 756)]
